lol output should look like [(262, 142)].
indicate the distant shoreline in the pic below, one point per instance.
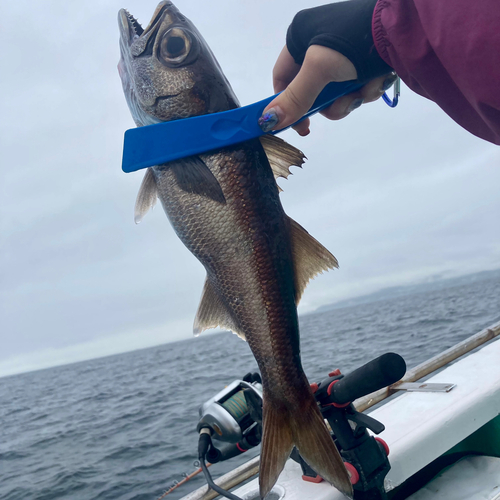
[(404, 290), (380, 295)]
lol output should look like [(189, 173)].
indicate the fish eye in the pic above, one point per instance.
[(175, 46)]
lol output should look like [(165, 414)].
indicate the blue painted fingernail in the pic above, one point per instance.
[(268, 120), (355, 104)]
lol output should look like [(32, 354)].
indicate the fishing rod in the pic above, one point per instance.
[(176, 484), (231, 424)]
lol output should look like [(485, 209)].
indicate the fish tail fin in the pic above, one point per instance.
[(277, 444), (316, 446), (306, 430)]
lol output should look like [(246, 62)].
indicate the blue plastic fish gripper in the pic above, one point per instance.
[(167, 141)]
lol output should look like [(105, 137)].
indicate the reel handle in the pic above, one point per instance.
[(376, 374)]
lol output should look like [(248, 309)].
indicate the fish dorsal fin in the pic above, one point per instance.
[(213, 313), (146, 197), (281, 156), (310, 257)]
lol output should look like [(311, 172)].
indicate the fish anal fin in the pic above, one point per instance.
[(310, 257), (146, 197), (213, 313), (193, 176), (281, 155)]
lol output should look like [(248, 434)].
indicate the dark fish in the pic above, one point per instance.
[(225, 207)]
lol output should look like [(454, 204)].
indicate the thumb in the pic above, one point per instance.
[(294, 101), (320, 67)]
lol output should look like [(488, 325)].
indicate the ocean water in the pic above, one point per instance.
[(123, 427)]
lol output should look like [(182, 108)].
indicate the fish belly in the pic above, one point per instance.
[(244, 245)]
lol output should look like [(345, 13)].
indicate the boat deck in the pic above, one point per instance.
[(420, 426)]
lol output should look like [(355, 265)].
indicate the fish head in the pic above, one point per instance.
[(167, 69)]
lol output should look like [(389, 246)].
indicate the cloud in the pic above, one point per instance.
[(396, 195)]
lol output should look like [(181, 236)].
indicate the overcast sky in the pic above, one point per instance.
[(398, 196)]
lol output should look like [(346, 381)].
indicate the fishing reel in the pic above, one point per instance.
[(233, 419), (234, 416)]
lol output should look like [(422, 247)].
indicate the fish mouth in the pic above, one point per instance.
[(134, 26), (130, 27)]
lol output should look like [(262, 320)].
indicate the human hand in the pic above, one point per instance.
[(302, 84), (330, 43)]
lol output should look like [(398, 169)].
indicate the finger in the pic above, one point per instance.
[(343, 106), (302, 128), (293, 102), (320, 64), (284, 71), (372, 91)]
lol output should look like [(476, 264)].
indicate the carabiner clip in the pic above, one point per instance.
[(397, 91)]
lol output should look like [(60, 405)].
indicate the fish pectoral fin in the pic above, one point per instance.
[(146, 197), (193, 176), (213, 313), (281, 156), (310, 257)]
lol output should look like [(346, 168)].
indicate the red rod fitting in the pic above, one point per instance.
[(384, 444), (335, 373), (310, 479), (353, 473), (329, 392)]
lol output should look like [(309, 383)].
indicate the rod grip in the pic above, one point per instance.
[(378, 373)]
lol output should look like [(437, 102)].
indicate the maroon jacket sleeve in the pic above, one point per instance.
[(449, 52)]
